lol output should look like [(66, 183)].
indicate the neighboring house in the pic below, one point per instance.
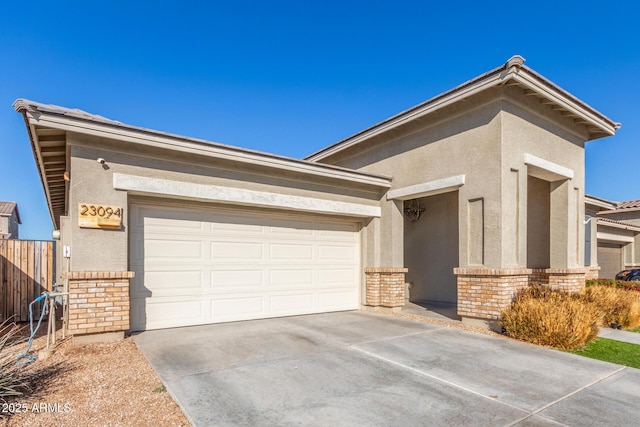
[(612, 233), (9, 220), (469, 196)]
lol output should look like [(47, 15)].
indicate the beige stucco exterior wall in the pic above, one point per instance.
[(486, 138), (459, 140), (534, 128), (91, 182)]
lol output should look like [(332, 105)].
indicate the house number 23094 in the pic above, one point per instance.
[(94, 215), (101, 211)]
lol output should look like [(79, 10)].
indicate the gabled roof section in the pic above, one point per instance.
[(599, 202), (7, 209), (513, 72), (618, 224), (48, 125)]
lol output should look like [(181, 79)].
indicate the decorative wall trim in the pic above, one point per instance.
[(425, 189), (239, 196), (546, 170)]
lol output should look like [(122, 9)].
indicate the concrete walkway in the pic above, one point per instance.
[(355, 368), (618, 335)]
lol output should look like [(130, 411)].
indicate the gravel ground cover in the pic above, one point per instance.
[(101, 384)]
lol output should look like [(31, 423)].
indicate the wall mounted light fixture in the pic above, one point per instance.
[(413, 210)]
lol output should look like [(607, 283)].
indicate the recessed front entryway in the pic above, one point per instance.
[(431, 250), (197, 265)]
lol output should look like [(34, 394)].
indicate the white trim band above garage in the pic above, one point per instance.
[(425, 189), (546, 170), (239, 196)]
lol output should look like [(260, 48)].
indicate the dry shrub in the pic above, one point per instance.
[(617, 306), (13, 380), (542, 316)]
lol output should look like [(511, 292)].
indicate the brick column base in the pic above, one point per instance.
[(593, 272), (385, 287), (483, 293), (567, 279), (98, 302)]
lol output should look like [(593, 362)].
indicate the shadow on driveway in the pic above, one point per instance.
[(355, 368)]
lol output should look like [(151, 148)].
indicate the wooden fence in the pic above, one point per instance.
[(26, 270)]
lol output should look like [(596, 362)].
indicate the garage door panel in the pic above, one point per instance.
[(163, 312), (341, 253), (290, 277), (291, 303), (337, 276), (239, 251), (235, 227), (290, 228), (341, 231), (173, 282), (338, 300), (609, 260), (291, 251), (240, 307), (188, 223), (172, 249), (221, 266), (234, 279)]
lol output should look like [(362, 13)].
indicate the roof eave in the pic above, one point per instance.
[(195, 146), (20, 107), (512, 72), (601, 203), (618, 225), (618, 211)]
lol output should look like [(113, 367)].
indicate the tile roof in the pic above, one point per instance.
[(629, 204), (614, 221)]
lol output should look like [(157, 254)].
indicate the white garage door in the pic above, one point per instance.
[(609, 260), (199, 266)]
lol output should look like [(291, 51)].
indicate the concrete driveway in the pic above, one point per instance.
[(356, 368)]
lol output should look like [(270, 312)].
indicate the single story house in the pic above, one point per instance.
[(612, 233), (467, 196), (9, 220)]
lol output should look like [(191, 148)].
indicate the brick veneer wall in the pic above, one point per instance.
[(567, 279), (539, 276), (485, 292), (385, 287), (592, 273), (98, 301)]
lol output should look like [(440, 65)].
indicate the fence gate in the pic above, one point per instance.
[(26, 270)]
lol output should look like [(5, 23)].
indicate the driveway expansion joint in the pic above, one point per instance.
[(449, 383)]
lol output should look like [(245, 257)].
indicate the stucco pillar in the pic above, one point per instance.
[(566, 227), (392, 234), (565, 271), (385, 272)]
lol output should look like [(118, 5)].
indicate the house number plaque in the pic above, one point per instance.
[(93, 215)]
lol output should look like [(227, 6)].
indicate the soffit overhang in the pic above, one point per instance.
[(512, 73), (48, 125)]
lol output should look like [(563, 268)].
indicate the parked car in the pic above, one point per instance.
[(633, 274)]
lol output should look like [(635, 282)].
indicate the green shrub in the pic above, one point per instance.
[(543, 316), (617, 306), (13, 379), (620, 284)]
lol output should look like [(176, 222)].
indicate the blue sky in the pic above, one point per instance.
[(291, 77)]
